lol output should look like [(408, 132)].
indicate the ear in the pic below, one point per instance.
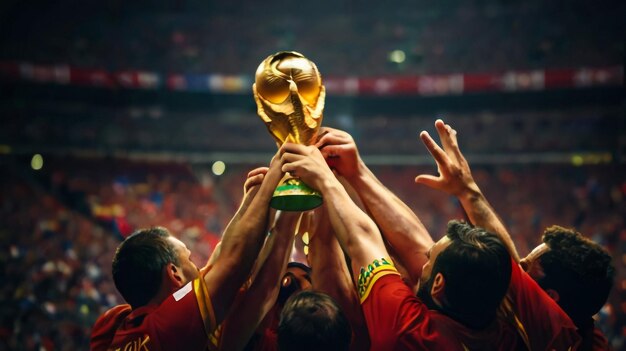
[(553, 294), (174, 275), (439, 285)]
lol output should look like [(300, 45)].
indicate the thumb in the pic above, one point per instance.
[(428, 180)]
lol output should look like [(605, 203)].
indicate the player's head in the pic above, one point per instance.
[(467, 275), (297, 278), (149, 261), (576, 272), (312, 320)]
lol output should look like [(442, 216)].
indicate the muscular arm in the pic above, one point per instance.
[(240, 245), (245, 316), (455, 178), (355, 230), (398, 223), (330, 275), (250, 188)]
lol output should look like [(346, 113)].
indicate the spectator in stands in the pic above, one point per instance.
[(172, 304)]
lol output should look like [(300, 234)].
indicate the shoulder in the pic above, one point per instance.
[(368, 276), (106, 325), (112, 316)]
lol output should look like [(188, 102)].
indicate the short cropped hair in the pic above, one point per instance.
[(578, 269), (138, 264), (477, 271), (311, 320)]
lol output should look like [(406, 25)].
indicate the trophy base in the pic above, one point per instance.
[(293, 195)]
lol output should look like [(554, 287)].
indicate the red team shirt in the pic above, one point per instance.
[(183, 321), (398, 320)]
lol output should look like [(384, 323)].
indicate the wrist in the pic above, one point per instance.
[(327, 183), (360, 175), (471, 192)]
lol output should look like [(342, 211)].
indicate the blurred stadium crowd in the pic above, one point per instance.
[(61, 224), (359, 38)]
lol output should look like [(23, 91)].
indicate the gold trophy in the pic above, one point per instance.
[(290, 100)]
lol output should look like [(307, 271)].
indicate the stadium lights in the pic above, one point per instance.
[(218, 168), (397, 56), (36, 162)]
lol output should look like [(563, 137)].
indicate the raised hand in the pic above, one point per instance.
[(254, 179), (306, 163), (339, 150), (455, 176)]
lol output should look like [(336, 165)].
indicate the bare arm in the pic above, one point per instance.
[(398, 223), (250, 188), (455, 178), (240, 245), (330, 275), (246, 315), (356, 232)]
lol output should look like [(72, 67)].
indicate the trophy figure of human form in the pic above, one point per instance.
[(290, 100)]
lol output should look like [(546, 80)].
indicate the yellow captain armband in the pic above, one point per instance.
[(370, 274)]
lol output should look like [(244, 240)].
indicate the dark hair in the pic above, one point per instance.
[(292, 284), (312, 320), (578, 269), (477, 271), (138, 264)]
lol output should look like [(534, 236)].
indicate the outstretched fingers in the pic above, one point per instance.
[(430, 181), (437, 152), (448, 136)]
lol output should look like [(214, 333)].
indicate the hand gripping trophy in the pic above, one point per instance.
[(290, 99)]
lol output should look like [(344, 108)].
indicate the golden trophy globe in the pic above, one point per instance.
[(290, 97)]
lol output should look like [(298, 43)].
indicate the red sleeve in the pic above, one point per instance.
[(599, 341), (397, 319), (105, 327), (185, 320), (541, 322)]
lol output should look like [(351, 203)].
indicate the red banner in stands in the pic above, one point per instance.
[(426, 85)]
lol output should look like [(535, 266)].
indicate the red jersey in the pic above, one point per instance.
[(600, 343), (593, 339), (398, 320), (265, 339), (183, 321)]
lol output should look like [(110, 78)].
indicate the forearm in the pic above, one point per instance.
[(243, 238), (240, 246), (330, 275), (245, 317), (330, 272), (356, 232), (398, 223), (481, 214), (265, 286)]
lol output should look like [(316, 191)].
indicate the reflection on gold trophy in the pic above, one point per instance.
[(290, 100)]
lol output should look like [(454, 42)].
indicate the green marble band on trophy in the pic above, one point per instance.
[(290, 98)]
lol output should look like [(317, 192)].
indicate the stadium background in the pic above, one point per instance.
[(115, 115)]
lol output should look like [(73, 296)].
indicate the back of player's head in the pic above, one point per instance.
[(138, 264), (578, 269), (477, 271), (311, 320)]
